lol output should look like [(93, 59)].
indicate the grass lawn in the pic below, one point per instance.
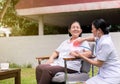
[(27, 77)]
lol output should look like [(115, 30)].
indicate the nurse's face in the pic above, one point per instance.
[(75, 29), (94, 30)]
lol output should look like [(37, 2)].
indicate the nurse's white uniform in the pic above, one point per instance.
[(109, 73)]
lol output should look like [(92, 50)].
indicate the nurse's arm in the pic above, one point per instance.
[(86, 53), (97, 63)]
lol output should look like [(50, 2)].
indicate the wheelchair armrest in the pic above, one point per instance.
[(73, 58), (41, 58), (69, 59)]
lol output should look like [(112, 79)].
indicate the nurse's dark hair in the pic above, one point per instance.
[(101, 23), (69, 27)]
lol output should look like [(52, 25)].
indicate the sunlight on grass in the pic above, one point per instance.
[(27, 77), (95, 71), (7, 81)]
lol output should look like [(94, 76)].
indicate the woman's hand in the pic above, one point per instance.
[(78, 54), (74, 54), (52, 57), (49, 61)]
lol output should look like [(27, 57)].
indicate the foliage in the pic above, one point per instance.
[(27, 66), (14, 65), (115, 28), (50, 29), (20, 25), (25, 28)]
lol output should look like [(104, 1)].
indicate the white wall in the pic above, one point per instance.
[(24, 50)]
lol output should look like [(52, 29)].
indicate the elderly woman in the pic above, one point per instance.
[(106, 56), (45, 72)]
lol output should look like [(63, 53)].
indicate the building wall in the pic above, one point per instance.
[(40, 3), (24, 50)]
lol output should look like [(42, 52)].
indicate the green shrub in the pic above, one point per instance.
[(27, 66), (14, 65)]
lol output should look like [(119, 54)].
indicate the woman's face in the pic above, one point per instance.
[(75, 29)]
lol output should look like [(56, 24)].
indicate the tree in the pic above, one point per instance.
[(4, 8), (20, 25)]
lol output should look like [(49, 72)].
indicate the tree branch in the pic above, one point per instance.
[(4, 9)]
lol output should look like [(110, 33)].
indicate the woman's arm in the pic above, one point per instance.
[(52, 57)]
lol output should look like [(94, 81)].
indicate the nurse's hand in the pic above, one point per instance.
[(78, 54), (78, 42), (74, 54)]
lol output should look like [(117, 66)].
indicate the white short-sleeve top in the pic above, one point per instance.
[(105, 51), (64, 51)]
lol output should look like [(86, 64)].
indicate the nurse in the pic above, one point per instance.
[(106, 56)]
